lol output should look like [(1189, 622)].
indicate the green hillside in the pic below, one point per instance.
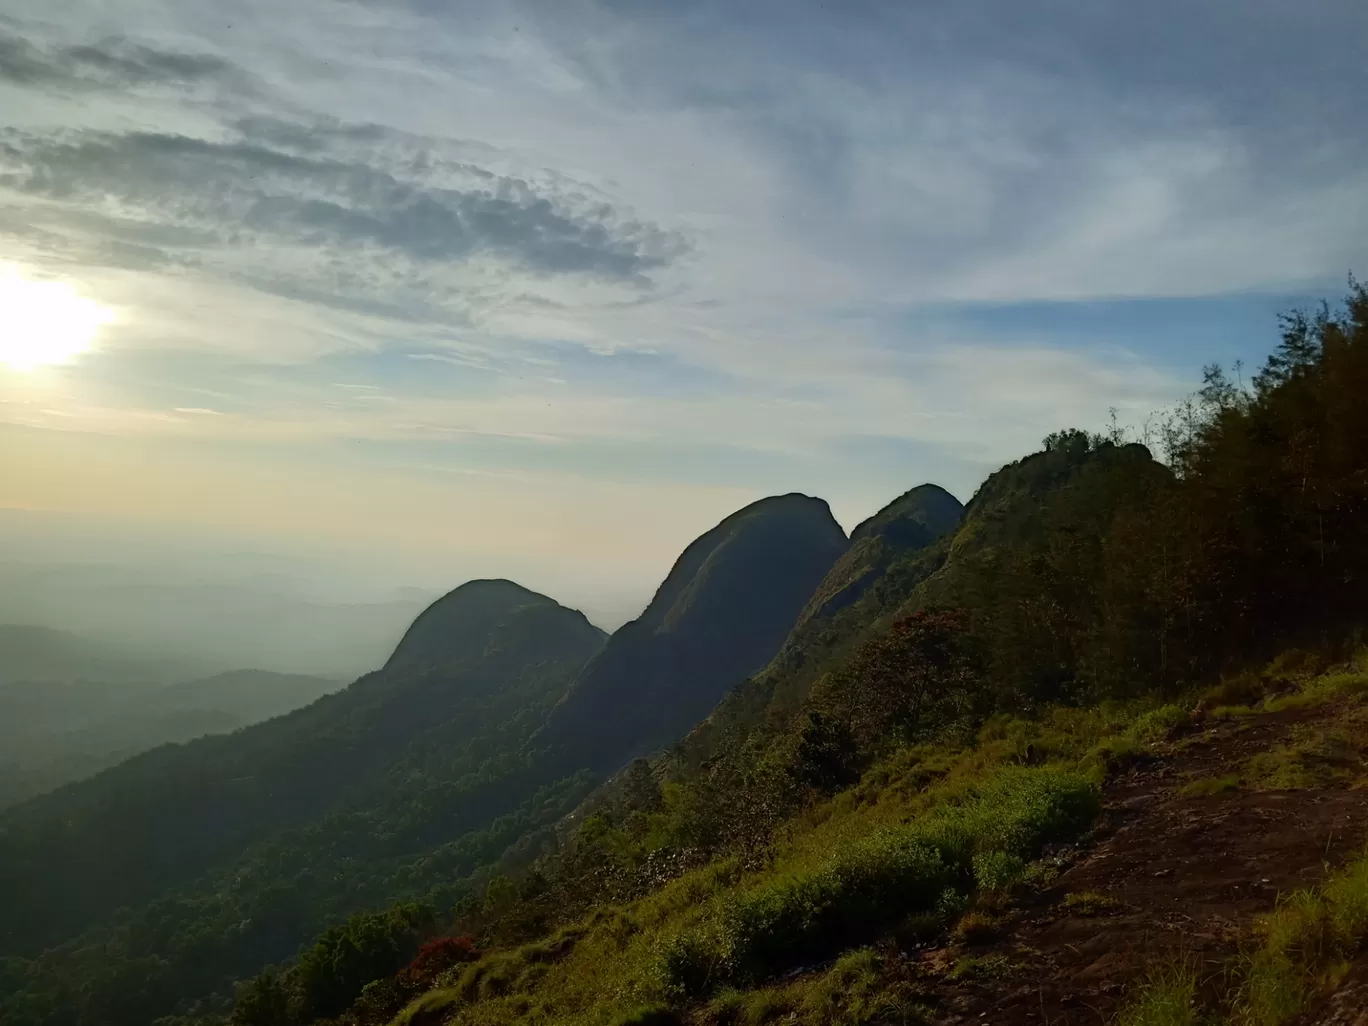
[(993, 688), (193, 864), (55, 732)]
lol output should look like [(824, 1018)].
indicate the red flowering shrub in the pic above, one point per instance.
[(438, 955)]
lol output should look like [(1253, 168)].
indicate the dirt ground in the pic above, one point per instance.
[(1166, 876)]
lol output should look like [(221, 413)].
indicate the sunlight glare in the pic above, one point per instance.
[(45, 322)]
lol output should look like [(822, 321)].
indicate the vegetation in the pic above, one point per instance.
[(943, 712), (1167, 998)]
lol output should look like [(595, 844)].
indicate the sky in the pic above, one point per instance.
[(433, 291)]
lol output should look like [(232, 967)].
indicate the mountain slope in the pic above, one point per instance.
[(869, 580), (30, 653), (720, 615), (407, 779), (52, 733)]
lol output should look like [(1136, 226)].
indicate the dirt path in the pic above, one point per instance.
[(1168, 875)]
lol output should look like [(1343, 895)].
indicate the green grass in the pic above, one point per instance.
[(932, 835), (976, 928), (1161, 723), (1304, 948), (983, 967), (1315, 758), (1167, 998), (1211, 785), (867, 885), (429, 1009), (1089, 903)]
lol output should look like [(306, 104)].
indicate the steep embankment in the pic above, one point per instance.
[(720, 615)]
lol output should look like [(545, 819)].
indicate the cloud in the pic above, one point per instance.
[(242, 191), (113, 62)]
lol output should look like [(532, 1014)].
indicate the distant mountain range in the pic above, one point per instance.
[(53, 731), (494, 717), (34, 653), (195, 626)]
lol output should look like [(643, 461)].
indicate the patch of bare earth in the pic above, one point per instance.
[(1168, 876)]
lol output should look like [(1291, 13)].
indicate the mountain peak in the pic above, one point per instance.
[(462, 623), (719, 616), (928, 506)]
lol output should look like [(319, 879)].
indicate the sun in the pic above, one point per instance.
[(45, 322)]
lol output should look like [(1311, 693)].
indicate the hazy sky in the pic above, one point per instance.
[(545, 290)]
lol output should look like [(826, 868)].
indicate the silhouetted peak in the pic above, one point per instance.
[(462, 623), (929, 506)]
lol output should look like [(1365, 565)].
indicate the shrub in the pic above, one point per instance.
[(866, 886), (1111, 757), (997, 870), (1159, 724), (439, 955)]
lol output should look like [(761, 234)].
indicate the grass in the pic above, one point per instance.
[(976, 928), (1168, 997), (860, 988), (1158, 724), (1211, 785), (983, 967), (931, 836), (1305, 945), (982, 840), (1316, 757), (1089, 903)]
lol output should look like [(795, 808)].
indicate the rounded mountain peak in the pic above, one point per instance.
[(927, 506), (461, 623)]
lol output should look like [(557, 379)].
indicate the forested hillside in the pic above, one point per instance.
[(173, 873), (966, 715)]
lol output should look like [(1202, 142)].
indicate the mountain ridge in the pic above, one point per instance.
[(719, 615)]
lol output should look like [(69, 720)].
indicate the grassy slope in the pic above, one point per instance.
[(928, 847), (905, 851)]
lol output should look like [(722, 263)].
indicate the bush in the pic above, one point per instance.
[(1159, 724), (997, 870), (867, 886)]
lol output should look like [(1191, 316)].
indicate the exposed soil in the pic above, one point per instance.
[(1170, 875)]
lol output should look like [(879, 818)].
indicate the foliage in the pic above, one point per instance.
[(872, 881), (1304, 942), (1167, 998)]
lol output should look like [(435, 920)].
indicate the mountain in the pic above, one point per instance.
[(247, 696), (34, 653), (867, 581), (406, 780), (208, 620), (477, 616), (720, 615), (52, 733), (909, 523)]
